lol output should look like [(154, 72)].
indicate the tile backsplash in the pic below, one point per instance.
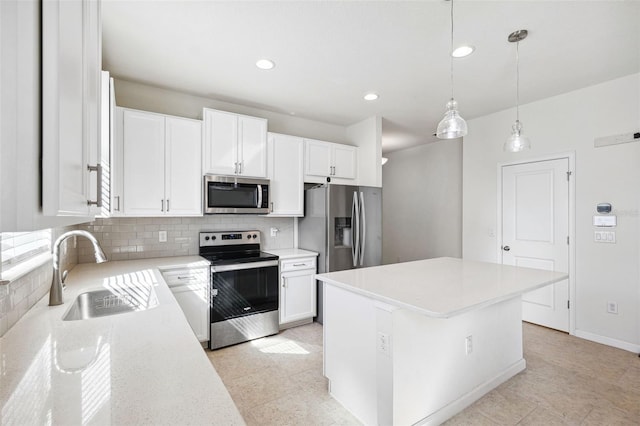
[(137, 238), (17, 297)]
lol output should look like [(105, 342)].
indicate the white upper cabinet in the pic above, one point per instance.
[(183, 173), (143, 164), (71, 66), (159, 169), (330, 160), (234, 144), (286, 175)]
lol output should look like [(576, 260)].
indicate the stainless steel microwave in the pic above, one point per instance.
[(233, 195)]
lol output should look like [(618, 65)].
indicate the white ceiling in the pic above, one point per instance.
[(328, 54)]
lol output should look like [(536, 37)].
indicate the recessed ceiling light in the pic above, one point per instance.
[(265, 64), (462, 51), (371, 96)]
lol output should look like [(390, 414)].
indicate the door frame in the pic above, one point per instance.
[(571, 156)]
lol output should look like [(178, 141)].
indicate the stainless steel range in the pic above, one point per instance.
[(244, 287)]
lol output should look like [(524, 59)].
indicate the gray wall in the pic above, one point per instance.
[(149, 98), (422, 202), (568, 124)]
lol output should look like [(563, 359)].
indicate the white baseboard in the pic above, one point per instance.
[(620, 344), (469, 398)]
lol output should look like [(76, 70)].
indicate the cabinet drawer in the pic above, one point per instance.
[(184, 276), (298, 264)]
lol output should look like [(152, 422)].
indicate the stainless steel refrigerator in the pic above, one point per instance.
[(344, 225)]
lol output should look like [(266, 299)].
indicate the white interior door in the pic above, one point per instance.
[(535, 233)]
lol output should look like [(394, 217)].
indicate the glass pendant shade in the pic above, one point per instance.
[(452, 125), (517, 141)]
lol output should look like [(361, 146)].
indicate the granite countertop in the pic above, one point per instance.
[(143, 367), (442, 287), (291, 253)]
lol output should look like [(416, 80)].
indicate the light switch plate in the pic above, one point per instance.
[(162, 236), (604, 237)]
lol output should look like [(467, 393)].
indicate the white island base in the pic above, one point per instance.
[(398, 351)]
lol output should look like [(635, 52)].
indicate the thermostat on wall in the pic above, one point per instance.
[(605, 220)]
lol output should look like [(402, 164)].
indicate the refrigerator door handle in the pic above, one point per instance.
[(363, 227), (355, 229)]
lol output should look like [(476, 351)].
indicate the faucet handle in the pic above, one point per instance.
[(64, 275)]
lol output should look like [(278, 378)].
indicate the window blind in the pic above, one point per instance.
[(17, 248)]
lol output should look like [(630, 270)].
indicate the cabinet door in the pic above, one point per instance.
[(317, 158), (252, 146), (193, 303), (286, 175), (143, 163), (70, 93), (344, 161), (297, 296), (183, 175), (220, 142)]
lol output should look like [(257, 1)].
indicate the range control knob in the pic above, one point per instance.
[(213, 238), (207, 238), (255, 236), (248, 236)]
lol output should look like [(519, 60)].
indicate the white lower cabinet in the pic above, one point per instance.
[(297, 290), (190, 287)]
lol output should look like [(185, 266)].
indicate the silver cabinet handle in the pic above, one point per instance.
[(506, 248), (98, 169), (188, 278), (284, 283), (271, 209), (299, 264), (167, 204), (235, 169), (161, 205), (240, 164), (117, 197)]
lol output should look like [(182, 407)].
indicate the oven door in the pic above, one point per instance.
[(228, 195), (243, 289)]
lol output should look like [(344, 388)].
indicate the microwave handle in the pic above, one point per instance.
[(259, 196)]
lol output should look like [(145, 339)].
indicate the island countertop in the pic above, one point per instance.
[(142, 367), (442, 287)]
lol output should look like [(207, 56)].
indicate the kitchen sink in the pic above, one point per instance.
[(101, 303)]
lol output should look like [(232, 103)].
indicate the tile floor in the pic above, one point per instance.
[(278, 380)]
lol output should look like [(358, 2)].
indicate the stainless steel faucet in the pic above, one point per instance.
[(55, 294)]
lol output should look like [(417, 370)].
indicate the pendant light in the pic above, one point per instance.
[(452, 125), (517, 141)]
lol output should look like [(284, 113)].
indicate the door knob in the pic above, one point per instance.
[(506, 248)]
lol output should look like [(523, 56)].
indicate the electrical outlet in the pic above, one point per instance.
[(274, 232), (384, 343), (612, 308), (468, 345), (162, 236)]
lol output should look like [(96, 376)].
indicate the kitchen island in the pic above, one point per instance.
[(144, 367), (417, 342)]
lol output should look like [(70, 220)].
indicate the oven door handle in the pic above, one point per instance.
[(241, 266)]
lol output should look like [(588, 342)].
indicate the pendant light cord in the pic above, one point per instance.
[(518, 81), (451, 50)]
